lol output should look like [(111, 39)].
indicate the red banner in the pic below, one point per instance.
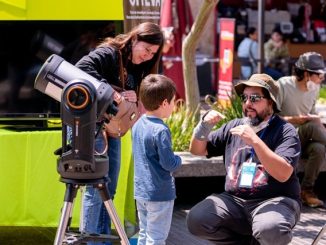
[(226, 58)]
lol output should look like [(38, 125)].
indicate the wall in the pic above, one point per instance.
[(296, 49)]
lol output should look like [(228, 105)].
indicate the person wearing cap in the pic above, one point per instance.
[(261, 202), (297, 99)]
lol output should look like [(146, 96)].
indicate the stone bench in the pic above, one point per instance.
[(200, 166)]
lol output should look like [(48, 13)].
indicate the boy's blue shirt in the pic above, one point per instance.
[(154, 160)]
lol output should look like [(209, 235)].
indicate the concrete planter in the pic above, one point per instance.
[(199, 166)]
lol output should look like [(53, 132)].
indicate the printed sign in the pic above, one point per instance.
[(138, 11), (226, 58)]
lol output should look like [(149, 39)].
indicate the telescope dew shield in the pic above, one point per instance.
[(55, 73)]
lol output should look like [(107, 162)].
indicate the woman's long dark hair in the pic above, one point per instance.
[(147, 32)]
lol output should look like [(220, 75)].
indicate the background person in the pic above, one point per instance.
[(248, 53), (297, 100), (276, 54), (154, 160), (261, 202), (137, 53)]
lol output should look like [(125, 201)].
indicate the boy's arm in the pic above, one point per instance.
[(168, 160)]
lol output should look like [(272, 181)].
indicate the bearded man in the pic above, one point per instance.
[(261, 202)]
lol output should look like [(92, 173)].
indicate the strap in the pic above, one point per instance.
[(251, 56), (122, 76)]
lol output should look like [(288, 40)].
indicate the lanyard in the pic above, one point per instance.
[(252, 151)]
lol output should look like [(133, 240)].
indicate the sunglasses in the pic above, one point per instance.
[(253, 98)]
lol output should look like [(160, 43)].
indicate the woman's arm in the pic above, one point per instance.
[(99, 63)]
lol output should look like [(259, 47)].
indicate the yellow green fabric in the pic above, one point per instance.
[(30, 191), (61, 10)]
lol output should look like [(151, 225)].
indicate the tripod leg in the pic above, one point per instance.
[(70, 194), (112, 213), (319, 236)]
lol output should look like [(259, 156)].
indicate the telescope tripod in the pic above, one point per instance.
[(319, 236), (64, 236)]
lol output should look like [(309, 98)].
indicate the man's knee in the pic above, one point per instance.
[(318, 149), (195, 221), (316, 152), (271, 232), (200, 221)]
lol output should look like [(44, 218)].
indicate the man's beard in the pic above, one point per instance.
[(260, 117)]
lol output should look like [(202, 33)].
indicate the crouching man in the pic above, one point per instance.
[(261, 203)]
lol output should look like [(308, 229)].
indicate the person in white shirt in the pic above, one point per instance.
[(297, 98), (248, 53)]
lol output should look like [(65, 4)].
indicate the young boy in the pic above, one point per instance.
[(154, 160)]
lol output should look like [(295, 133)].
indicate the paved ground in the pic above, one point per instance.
[(311, 222), (189, 192)]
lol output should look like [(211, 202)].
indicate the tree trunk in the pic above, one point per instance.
[(188, 54)]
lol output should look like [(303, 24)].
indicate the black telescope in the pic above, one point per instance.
[(83, 101)]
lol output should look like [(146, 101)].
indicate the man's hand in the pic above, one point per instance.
[(299, 120), (213, 117), (204, 127), (246, 133)]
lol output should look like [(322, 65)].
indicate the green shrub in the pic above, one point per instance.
[(182, 123), (322, 95), (322, 92)]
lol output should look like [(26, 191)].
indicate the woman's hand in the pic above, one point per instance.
[(130, 95)]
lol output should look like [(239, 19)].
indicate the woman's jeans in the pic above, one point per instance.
[(95, 215), (154, 221)]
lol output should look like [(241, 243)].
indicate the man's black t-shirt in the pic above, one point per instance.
[(280, 136)]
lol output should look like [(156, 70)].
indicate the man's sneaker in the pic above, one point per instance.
[(310, 199)]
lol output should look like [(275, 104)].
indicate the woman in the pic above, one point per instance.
[(135, 55)]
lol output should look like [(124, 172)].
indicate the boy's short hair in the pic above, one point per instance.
[(154, 89)]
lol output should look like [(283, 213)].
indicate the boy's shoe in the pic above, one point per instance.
[(309, 198)]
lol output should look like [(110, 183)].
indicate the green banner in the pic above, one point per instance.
[(61, 10), (31, 193)]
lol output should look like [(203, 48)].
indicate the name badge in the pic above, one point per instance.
[(247, 174)]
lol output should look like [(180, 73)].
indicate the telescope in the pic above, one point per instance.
[(83, 100)]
